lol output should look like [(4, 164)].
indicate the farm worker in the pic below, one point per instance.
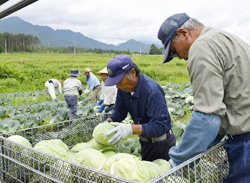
[(144, 99), (218, 65), (51, 84), (72, 87), (92, 84), (108, 95)]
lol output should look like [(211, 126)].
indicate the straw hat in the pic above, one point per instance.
[(103, 71), (87, 70)]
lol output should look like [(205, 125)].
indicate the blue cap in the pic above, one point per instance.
[(168, 30), (117, 67)]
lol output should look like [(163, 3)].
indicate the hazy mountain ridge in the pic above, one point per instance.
[(65, 38)]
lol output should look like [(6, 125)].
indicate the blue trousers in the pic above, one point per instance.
[(72, 103), (238, 150), (109, 108)]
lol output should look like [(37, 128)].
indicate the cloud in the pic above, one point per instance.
[(116, 21)]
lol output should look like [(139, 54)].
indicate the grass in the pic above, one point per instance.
[(28, 72)]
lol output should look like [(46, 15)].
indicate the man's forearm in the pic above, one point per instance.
[(137, 129)]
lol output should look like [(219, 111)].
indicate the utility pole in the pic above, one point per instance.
[(140, 48), (5, 47), (74, 48)]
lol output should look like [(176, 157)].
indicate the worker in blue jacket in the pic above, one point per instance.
[(144, 99)]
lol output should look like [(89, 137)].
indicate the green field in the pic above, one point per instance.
[(28, 72)]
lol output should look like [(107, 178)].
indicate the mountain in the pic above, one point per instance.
[(65, 38)]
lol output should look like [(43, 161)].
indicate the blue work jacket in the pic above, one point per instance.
[(147, 106)]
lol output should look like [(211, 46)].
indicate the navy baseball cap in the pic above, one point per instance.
[(117, 67), (168, 30)]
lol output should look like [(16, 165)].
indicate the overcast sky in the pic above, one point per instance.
[(117, 21)]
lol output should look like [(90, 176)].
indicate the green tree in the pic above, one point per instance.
[(154, 50), (98, 51)]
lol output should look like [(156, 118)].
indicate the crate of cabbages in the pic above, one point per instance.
[(77, 151)]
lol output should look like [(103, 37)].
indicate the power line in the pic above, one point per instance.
[(15, 7)]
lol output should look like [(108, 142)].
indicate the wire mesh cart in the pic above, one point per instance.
[(22, 164)]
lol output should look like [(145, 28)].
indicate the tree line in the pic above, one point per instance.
[(28, 43), (18, 42)]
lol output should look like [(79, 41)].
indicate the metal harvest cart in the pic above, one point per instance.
[(20, 163)]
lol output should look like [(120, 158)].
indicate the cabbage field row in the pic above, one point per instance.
[(23, 110)]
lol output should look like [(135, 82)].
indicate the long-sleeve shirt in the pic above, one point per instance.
[(72, 86), (219, 65), (57, 84), (92, 82), (108, 94), (147, 106)]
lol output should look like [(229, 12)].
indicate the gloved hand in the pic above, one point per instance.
[(122, 131), (101, 109), (100, 102)]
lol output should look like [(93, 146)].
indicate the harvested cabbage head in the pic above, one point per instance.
[(96, 145), (80, 146), (90, 157), (49, 148), (100, 133), (58, 142), (127, 166), (63, 171), (53, 149), (25, 153), (70, 155), (164, 165), (19, 139), (108, 153), (153, 168)]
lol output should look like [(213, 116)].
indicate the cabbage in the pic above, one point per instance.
[(16, 169), (19, 139), (86, 92), (53, 149), (80, 146), (70, 155), (49, 148), (108, 153), (96, 108), (164, 164), (64, 172), (90, 157), (96, 145), (153, 168), (23, 157), (127, 166), (100, 133), (56, 142)]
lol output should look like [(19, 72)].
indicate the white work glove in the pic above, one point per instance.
[(122, 131)]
